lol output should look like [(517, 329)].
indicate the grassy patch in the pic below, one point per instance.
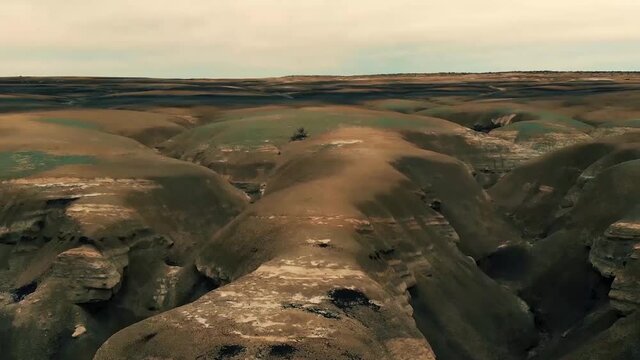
[(633, 123), (560, 119), (530, 129), (276, 126), (70, 122), (469, 117), (26, 163), (401, 105)]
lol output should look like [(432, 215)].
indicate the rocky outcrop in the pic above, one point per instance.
[(539, 193), (616, 255), (625, 289), (88, 248), (483, 152), (541, 136), (293, 307), (610, 252), (493, 123), (89, 275)]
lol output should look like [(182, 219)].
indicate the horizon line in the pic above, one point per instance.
[(401, 74)]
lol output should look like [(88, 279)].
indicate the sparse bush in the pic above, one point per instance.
[(300, 134)]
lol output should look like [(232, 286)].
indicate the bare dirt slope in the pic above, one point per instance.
[(477, 216)]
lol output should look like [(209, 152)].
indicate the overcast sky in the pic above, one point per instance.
[(252, 38)]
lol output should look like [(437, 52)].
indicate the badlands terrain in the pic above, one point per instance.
[(469, 216)]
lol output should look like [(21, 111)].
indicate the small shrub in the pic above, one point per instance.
[(300, 134)]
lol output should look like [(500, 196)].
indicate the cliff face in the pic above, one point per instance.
[(96, 231), (590, 208), (615, 254)]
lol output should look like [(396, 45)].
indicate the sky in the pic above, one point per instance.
[(261, 38)]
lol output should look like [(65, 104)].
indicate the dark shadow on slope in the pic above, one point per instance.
[(510, 263), (461, 312), (427, 322)]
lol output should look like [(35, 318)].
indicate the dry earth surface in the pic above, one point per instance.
[(468, 216)]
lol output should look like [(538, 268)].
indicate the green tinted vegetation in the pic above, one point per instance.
[(401, 105), (528, 129), (25, 163), (471, 116), (635, 123), (465, 117), (560, 119), (70, 122), (276, 126)]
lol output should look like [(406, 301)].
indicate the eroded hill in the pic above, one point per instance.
[(491, 216)]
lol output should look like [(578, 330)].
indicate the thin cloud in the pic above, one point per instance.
[(276, 37)]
